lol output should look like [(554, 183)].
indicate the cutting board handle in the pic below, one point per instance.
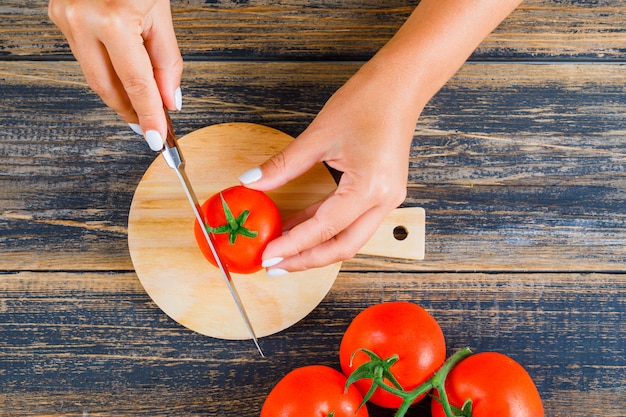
[(400, 235)]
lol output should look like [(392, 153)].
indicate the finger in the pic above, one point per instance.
[(294, 160), (93, 59), (344, 245), (167, 62), (295, 219), (333, 216), (132, 65), (348, 216), (102, 79)]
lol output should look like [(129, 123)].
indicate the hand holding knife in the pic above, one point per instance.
[(174, 159)]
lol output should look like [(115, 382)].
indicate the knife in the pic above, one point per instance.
[(174, 158)]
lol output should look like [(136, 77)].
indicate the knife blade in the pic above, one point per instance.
[(174, 159)]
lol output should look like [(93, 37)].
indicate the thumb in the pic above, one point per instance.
[(294, 160)]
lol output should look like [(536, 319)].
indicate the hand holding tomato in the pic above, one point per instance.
[(242, 222), (364, 131)]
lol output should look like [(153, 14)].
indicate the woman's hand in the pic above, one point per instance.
[(128, 52), (364, 131)]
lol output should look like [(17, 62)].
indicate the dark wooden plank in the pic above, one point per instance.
[(527, 153), (519, 167), (94, 343), (68, 172), (539, 29)]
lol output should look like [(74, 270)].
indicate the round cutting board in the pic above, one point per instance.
[(169, 263)]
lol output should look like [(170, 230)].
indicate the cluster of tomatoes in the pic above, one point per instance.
[(392, 355)]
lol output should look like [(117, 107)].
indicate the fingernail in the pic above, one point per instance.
[(136, 128), (154, 139), (178, 99), (251, 176), (276, 272), (271, 262)]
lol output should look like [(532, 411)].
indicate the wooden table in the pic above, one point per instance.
[(520, 163)]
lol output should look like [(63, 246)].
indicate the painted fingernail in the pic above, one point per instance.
[(251, 176), (178, 99), (136, 128), (276, 272), (154, 139), (271, 262)]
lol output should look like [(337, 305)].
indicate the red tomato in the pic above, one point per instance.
[(496, 384), (395, 328), (313, 391), (240, 247)]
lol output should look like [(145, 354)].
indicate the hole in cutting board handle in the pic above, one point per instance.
[(400, 232)]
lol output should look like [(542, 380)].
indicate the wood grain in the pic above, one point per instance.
[(172, 268), (94, 343), (519, 167), (177, 276), (338, 30)]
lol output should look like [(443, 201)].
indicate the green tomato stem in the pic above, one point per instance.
[(437, 381), (234, 226)]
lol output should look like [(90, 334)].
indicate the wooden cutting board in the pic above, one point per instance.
[(191, 291)]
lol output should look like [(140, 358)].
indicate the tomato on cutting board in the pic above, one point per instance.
[(313, 391), (394, 328), (242, 222), (496, 384)]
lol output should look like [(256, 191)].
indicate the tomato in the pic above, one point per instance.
[(313, 391), (240, 238), (394, 328), (496, 384)]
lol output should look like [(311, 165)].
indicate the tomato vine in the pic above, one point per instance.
[(378, 369)]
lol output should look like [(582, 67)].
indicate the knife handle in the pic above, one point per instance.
[(170, 138), (171, 153)]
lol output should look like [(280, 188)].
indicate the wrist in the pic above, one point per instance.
[(435, 42), (395, 88)]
